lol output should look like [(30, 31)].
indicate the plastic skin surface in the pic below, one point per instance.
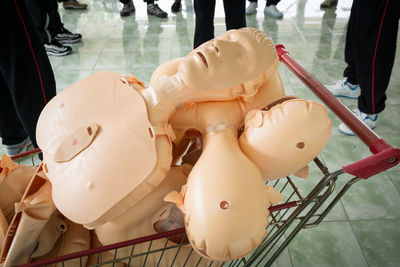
[(32, 214), (78, 134), (52, 231), (14, 179), (109, 141), (225, 200), (74, 238), (219, 122), (291, 133), (221, 60), (140, 220), (232, 62), (232, 233), (303, 128), (78, 128)]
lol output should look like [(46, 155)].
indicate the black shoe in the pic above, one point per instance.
[(56, 49), (74, 4), (127, 9), (155, 10), (328, 3), (67, 37), (176, 6)]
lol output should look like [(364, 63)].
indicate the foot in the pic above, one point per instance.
[(368, 119), (344, 89), (67, 37), (252, 8), (127, 9), (13, 150), (273, 11), (155, 10), (56, 49), (176, 6), (74, 4), (328, 3)]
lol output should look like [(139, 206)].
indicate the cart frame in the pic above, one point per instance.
[(287, 219)]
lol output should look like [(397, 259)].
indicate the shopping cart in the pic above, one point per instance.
[(299, 211)]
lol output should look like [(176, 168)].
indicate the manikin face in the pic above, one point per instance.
[(229, 60)]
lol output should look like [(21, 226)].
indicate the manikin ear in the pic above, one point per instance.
[(254, 118), (302, 173)]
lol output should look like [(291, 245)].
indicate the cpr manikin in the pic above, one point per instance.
[(78, 129), (109, 141), (231, 220)]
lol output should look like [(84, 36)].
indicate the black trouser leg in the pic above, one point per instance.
[(372, 99), (25, 69), (45, 18), (56, 17), (235, 14), (373, 44), (204, 30), (350, 70), (11, 130), (272, 2)]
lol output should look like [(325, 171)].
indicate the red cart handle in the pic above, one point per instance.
[(385, 155)]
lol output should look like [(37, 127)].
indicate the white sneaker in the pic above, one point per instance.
[(273, 11), (252, 8), (345, 89), (368, 119), (13, 150)]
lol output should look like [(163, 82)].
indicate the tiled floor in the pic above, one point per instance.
[(364, 227)]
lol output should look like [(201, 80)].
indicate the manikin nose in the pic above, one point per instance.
[(215, 45)]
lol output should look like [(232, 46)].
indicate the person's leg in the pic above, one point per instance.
[(349, 87), (377, 26), (63, 36), (56, 19), (204, 29), (41, 19), (235, 14), (374, 40), (350, 71), (11, 130), (25, 66), (44, 14)]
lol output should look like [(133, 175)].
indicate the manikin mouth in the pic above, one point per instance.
[(203, 58)]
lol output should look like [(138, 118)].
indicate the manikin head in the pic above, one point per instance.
[(228, 60)]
